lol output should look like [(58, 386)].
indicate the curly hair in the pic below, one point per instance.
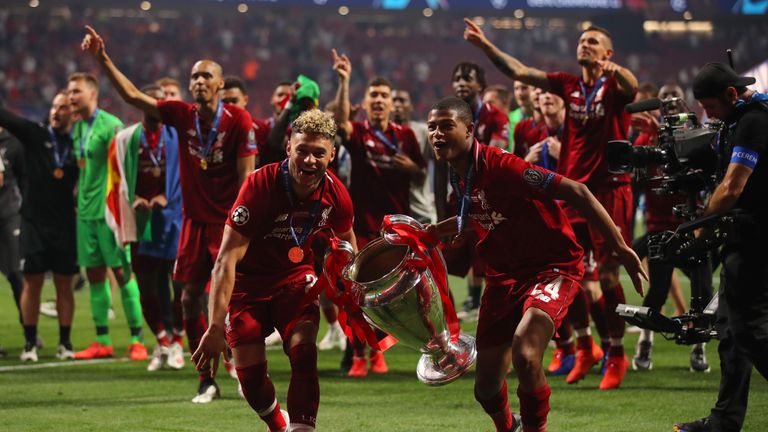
[(315, 122)]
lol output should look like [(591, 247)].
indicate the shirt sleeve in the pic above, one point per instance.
[(557, 82), (524, 179), (245, 216), (353, 142), (750, 138), (343, 214), (17, 126), (246, 143), (171, 112)]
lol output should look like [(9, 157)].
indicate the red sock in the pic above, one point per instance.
[(584, 342), (597, 312), (162, 338), (497, 407), (613, 296), (578, 311), (260, 394), (304, 389), (534, 407)]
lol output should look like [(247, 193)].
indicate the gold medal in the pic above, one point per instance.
[(81, 163), (296, 254), (156, 171), (58, 173), (203, 164)]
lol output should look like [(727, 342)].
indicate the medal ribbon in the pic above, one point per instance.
[(466, 195), (312, 218), (156, 158), (212, 134), (389, 142), (588, 99), (59, 155), (87, 134)]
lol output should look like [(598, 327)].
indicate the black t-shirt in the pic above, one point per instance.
[(13, 177), (748, 134), (46, 199)]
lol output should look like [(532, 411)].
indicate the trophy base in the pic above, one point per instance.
[(433, 374)]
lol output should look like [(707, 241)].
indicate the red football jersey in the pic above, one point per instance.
[(207, 194), (527, 133), (263, 213), (586, 134), (148, 185), (491, 124), (261, 130), (377, 189), (658, 208), (522, 230)]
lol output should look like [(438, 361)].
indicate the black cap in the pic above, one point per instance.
[(713, 78)]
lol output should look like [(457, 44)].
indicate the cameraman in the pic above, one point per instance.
[(742, 322), (659, 217)]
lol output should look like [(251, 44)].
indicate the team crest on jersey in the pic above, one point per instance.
[(282, 217), (240, 216), (324, 217), (483, 201)]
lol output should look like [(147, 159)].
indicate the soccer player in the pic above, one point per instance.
[(235, 93), (265, 267), (524, 99), (386, 159), (149, 153), (97, 248), (48, 242), (595, 102), (533, 262), (171, 88), (216, 153)]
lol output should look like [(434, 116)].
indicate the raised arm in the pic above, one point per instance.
[(94, 44), (579, 196), (343, 68), (507, 64), (17, 126), (624, 77)]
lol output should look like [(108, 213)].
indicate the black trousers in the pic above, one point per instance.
[(660, 275), (742, 326)]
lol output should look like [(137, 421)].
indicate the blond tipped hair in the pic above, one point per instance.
[(315, 122)]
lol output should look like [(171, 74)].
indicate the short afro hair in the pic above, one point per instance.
[(315, 122)]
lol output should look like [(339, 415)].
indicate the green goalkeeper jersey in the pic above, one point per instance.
[(91, 140)]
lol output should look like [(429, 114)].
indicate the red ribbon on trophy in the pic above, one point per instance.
[(418, 241)]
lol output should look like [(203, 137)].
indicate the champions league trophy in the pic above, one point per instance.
[(400, 284)]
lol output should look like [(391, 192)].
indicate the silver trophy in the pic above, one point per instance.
[(404, 300)]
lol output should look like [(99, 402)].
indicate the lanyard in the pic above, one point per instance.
[(466, 195), (312, 218), (211, 138), (59, 155), (389, 141), (156, 158), (87, 134), (588, 99)]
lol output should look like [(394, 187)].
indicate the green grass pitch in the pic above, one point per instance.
[(123, 396)]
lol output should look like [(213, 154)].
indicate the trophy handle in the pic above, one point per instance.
[(398, 219), (333, 260)]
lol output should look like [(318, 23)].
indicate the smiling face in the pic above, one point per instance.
[(308, 157), (593, 46), (60, 114), (378, 103), (449, 135), (205, 81)]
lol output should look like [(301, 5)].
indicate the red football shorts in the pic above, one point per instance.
[(617, 200), (504, 304), (198, 248), (250, 320)]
